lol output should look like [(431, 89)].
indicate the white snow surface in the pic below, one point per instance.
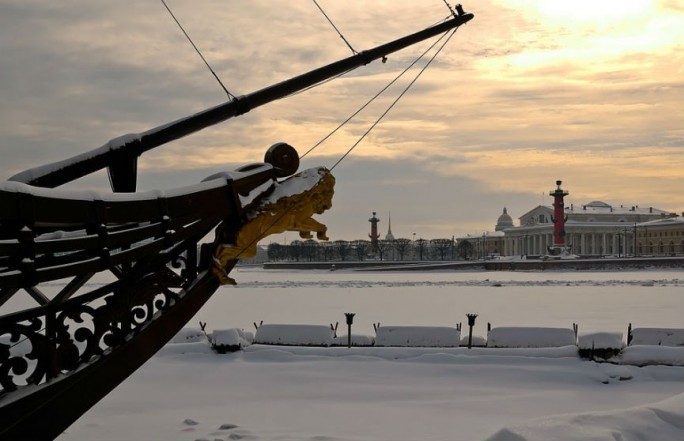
[(356, 340), (600, 340), (232, 337), (303, 181), (651, 355), (418, 336), (530, 337), (658, 336), (299, 335), (188, 392)]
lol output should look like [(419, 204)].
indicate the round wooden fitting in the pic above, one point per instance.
[(284, 159)]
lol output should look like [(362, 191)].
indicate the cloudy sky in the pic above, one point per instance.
[(528, 92)]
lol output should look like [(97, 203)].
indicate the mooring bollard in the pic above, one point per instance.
[(471, 323), (350, 321)]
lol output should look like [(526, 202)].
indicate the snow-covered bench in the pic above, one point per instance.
[(418, 336), (530, 337), (657, 336), (294, 335)]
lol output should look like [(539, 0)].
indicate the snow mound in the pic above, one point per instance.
[(294, 335), (423, 336), (657, 336), (651, 355), (478, 340), (599, 345), (230, 340), (530, 337), (189, 335), (661, 421), (600, 340), (356, 340)]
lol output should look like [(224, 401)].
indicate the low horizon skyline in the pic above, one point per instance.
[(383, 231)]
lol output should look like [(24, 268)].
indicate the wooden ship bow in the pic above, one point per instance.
[(113, 277)]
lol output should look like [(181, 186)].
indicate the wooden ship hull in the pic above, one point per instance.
[(62, 356)]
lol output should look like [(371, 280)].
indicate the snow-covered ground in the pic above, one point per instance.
[(188, 392)]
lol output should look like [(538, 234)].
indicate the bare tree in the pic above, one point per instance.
[(276, 251), (383, 247), (402, 246), (328, 250), (421, 246), (343, 248), (361, 248), (310, 249), (442, 246), (465, 249), (295, 250)]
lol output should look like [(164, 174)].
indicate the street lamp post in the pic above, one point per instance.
[(484, 245), (471, 323), (350, 321)]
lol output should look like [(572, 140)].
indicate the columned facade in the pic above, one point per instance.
[(585, 240), (596, 229)]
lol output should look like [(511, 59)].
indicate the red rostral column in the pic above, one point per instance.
[(374, 236), (559, 217)]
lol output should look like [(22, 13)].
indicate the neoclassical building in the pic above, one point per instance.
[(591, 230), (595, 229), (490, 243), (661, 237)]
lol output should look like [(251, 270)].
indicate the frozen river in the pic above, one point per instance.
[(595, 300), (187, 392)]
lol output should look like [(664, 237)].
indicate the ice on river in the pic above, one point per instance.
[(188, 392)]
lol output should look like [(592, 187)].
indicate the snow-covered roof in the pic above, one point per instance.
[(666, 222), (599, 207)]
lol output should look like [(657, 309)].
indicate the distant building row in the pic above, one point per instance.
[(595, 229)]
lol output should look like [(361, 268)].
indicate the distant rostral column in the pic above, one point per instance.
[(374, 236), (559, 218)]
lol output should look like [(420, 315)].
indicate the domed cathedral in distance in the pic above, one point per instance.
[(504, 221)]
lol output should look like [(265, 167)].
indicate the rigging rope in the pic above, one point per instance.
[(346, 72), (395, 101), (230, 95), (374, 97), (449, 7), (335, 27), (278, 218)]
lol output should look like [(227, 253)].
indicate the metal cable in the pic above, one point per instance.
[(394, 102), (373, 99), (335, 27), (230, 95)]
